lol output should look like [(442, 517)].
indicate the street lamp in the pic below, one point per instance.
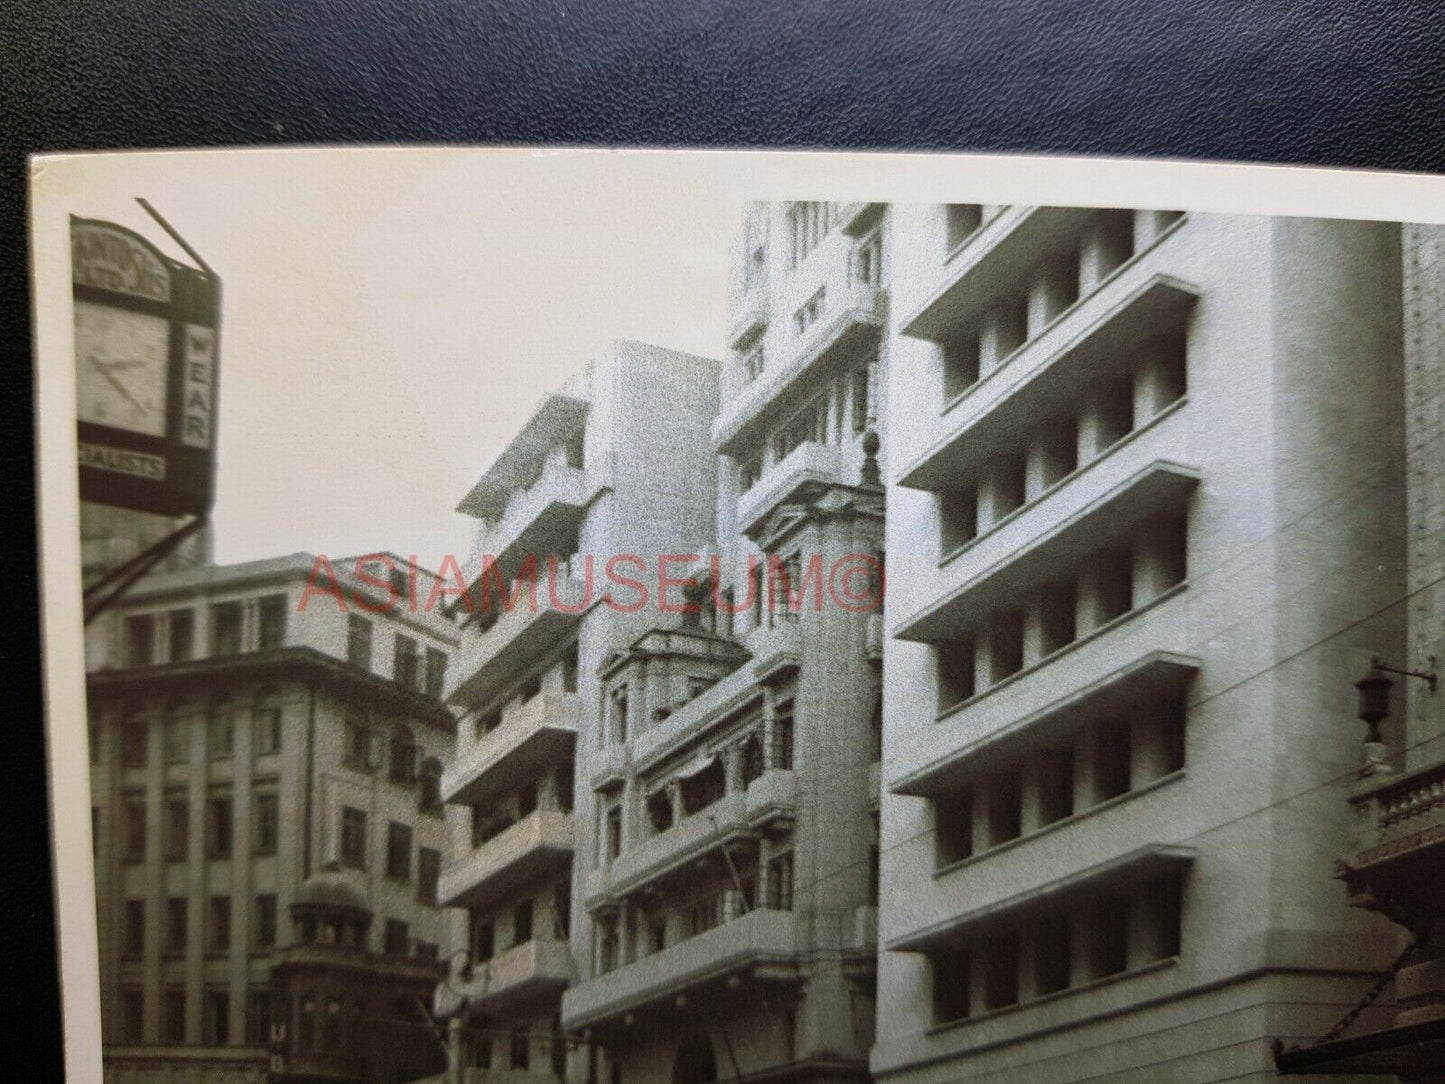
[(1374, 689)]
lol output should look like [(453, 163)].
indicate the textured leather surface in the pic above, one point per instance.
[(1306, 81)]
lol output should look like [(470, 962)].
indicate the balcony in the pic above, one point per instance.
[(809, 464), (381, 966), (515, 976), (978, 741), (1401, 820), (853, 319), (539, 520), (1009, 566), (999, 255), (539, 621), (760, 946), (772, 650), (556, 418), (1049, 375), (537, 735), (738, 815), (749, 319), (536, 845), (858, 217)]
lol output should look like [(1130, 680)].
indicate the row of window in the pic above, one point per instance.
[(486, 722), (352, 851), (520, 1044), (175, 930), (1108, 934), (421, 672), (853, 407), (366, 749), (1103, 760), (1109, 584), (488, 822), (218, 820), (1019, 475), (170, 636), (176, 730), (215, 1016), (483, 940)]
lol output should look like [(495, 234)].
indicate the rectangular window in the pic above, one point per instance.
[(1052, 954), (220, 732), (569, 670), (521, 1052), (134, 942), (140, 634), (183, 635), (1111, 760), (428, 873), (809, 424), (178, 827), (226, 628), (868, 260), (135, 831), (397, 939), (357, 754), (268, 818), (526, 799), (176, 925), (619, 715), (780, 882), (484, 941), (436, 672), (218, 925), (266, 920), (1001, 971), (358, 641), (398, 852), (565, 788), (753, 363), (808, 223), (132, 1015), (178, 740), (782, 751), (217, 1018), (267, 731), (133, 739), (219, 823), (950, 984), (1004, 807), (272, 619), (961, 221), (404, 666), (353, 838), (750, 472), (173, 1016), (614, 833), (861, 398), (522, 923), (961, 363), (258, 1016)]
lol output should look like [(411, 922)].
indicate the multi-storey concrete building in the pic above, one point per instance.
[(728, 899), (267, 742), (1146, 516), (1395, 863), (609, 475)]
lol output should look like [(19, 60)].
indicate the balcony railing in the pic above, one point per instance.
[(534, 624), (810, 463), (738, 814), (1399, 817), (760, 946), (538, 734), (515, 975), (853, 317), (747, 322), (535, 845), (539, 520)]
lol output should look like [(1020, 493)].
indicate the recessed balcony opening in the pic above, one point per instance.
[(1113, 241), (1052, 955), (1111, 760), (955, 673), (1006, 645), (953, 827), (659, 811), (526, 799), (1158, 908), (1113, 413), (1165, 372), (1008, 484), (1113, 584), (960, 364), (1056, 785), (1010, 327), (958, 517), (612, 832), (1109, 939), (1058, 617), (950, 984), (961, 220), (1054, 290), (704, 787), (575, 450), (1001, 971), (1058, 449), (1162, 558), (1170, 722), (1005, 807)]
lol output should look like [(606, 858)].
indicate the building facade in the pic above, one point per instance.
[(1146, 516), (727, 905), (267, 742), (609, 474)]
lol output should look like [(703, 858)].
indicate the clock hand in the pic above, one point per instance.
[(105, 372)]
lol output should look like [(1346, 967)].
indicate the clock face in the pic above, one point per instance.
[(121, 364)]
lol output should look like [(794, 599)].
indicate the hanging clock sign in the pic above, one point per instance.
[(146, 336)]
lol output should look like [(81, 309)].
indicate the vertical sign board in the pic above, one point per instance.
[(147, 330)]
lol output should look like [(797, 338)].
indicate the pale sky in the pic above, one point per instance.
[(392, 316), (390, 320)]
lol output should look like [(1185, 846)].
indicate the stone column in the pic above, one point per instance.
[(1148, 225), (1031, 816), (1036, 465), (1158, 381), (1083, 771), (1052, 292), (1148, 753), (1099, 255), (1033, 615), (991, 347)]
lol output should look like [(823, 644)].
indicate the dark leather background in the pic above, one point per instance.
[(1301, 81)]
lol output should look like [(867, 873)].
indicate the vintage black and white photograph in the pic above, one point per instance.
[(601, 617)]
